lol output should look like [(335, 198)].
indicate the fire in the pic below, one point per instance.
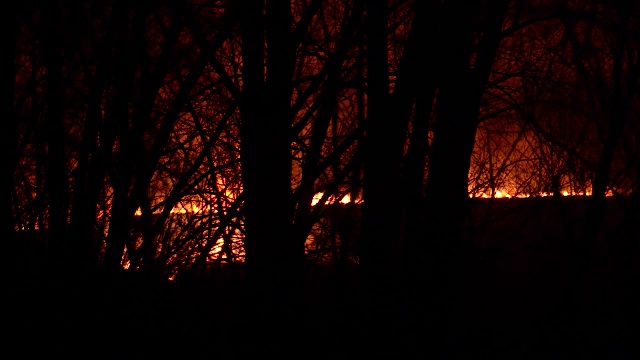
[(499, 194), (504, 194), (346, 199), (180, 208), (195, 206), (186, 207), (316, 199)]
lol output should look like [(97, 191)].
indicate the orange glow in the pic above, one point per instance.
[(187, 207), (346, 199), (198, 206), (316, 199), (217, 248), (504, 194)]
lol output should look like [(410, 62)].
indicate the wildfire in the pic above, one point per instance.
[(504, 194), (180, 208), (346, 199), (198, 207)]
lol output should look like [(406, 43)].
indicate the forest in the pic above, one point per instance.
[(400, 178)]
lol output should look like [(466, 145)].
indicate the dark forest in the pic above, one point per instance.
[(321, 178)]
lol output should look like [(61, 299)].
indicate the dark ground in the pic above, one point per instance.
[(520, 300)]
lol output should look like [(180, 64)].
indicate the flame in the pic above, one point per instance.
[(187, 207), (217, 248), (198, 206), (316, 198), (504, 194), (346, 199)]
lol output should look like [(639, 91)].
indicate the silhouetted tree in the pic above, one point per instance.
[(177, 138), (274, 259), (54, 35), (473, 34), (9, 139)]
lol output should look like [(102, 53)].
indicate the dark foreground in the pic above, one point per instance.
[(520, 299), (501, 318)]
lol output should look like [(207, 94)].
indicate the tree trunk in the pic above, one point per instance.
[(55, 167), (9, 137), (460, 90), (83, 243), (620, 107), (413, 100), (118, 116), (274, 260), (328, 103), (380, 213)]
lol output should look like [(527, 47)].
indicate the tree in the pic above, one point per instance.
[(9, 138), (273, 258)]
